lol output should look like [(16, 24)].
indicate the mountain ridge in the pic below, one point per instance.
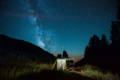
[(10, 46)]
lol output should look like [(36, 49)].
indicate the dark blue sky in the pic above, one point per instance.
[(56, 25)]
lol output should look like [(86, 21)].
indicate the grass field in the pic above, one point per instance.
[(97, 74), (10, 71), (40, 71)]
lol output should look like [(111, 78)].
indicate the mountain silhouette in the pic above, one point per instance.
[(13, 49)]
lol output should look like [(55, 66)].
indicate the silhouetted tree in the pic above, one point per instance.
[(65, 54), (104, 41), (96, 50), (104, 46), (115, 32), (93, 47), (102, 54), (118, 11), (97, 47), (115, 37), (87, 52), (59, 56)]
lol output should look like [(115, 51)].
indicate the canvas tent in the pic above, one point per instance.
[(63, 63)]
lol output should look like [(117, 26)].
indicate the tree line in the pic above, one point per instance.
[(103, 53)]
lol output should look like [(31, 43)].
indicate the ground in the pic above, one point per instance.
[(53, 75)]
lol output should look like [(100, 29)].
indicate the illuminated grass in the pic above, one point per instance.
[(12, 71), (96, 73)]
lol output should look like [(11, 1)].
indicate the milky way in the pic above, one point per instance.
[(57, 25), (30, 14), (44, 36)]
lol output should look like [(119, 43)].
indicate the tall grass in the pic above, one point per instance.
[(96, 73), (10, 71)]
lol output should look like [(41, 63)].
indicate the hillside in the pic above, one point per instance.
[(12, 49)]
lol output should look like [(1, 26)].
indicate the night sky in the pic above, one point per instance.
[(57, 25)]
